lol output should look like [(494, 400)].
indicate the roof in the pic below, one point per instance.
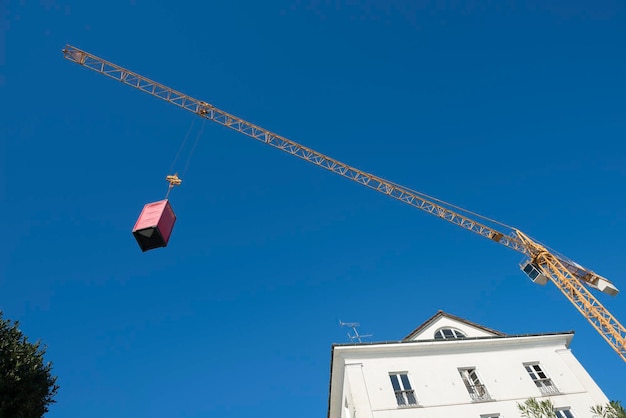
[(441, 314)]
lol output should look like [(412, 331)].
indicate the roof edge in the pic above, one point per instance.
[(494, 337)]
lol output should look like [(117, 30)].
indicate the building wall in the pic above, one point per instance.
[(433, 371)]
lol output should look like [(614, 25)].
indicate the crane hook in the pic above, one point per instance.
[(173, 180)]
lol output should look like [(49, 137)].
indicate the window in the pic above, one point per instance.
[(564, 413), (402, 388), (543, 382), (448, 334), (477, 391)]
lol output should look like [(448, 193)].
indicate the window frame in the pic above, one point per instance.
[(457, 334), (558, 413), (545, 384), (475, 387), (405, 394)]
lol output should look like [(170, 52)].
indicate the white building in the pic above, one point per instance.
[(450, 367)]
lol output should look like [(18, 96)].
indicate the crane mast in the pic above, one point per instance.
[(541, 265)]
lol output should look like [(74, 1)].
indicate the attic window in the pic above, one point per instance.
[(448, 334)]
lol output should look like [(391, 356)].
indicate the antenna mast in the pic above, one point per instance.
[(355, 336)]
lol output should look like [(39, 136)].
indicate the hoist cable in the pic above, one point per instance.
[(193, 147), (182, 145)]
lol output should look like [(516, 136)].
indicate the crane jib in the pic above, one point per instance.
[(564, 273)]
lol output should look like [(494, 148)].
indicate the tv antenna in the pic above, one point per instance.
[(354, 336)]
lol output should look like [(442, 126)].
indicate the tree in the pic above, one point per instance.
[(613, 409), (532, 408), (27, 386)]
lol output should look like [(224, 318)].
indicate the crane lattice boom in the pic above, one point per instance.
[(567, 275)]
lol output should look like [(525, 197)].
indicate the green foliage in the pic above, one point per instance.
[(614, 409), (532, 408), (27, 387)]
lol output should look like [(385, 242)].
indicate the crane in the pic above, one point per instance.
[(541, 264)]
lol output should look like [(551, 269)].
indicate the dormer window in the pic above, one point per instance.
[(448, 334)]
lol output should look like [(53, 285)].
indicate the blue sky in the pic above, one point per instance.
[(511, 109)]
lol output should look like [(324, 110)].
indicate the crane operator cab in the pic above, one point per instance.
[(534, 273)]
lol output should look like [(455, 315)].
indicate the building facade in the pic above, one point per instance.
[(451, 367)]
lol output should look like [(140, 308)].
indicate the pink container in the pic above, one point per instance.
[(154, 225)]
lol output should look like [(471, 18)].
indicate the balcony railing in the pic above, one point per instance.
[(406, 398), (546, 387), (478, 393)]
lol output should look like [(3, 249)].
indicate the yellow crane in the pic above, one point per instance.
[(541, 264)]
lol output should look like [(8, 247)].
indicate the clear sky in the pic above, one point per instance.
[(514, 110)]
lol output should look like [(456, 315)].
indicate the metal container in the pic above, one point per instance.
[(154, 225)]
